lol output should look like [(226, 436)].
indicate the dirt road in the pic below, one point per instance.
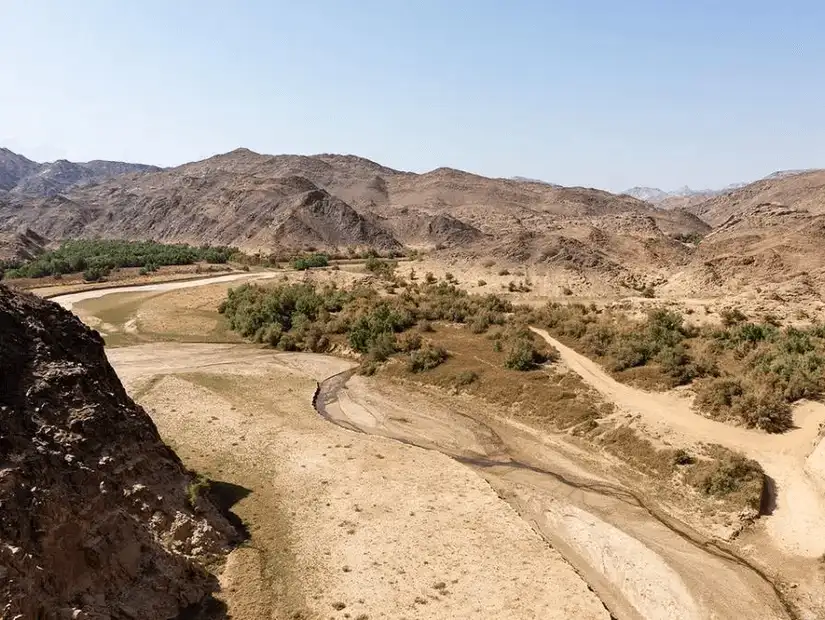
[(796, 522)]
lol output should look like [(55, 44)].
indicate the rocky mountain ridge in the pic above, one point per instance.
[(293, 203)]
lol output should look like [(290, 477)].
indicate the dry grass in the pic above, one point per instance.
[(551, 399), (541, 397)]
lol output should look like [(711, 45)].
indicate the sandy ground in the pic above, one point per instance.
[(796, 522), (639, 567), (343, 524)]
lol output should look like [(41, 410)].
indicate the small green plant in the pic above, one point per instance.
[(196, 489)]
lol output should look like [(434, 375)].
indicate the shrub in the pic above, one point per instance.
[(681, 457), (466, 377), (369, 328), (732, 316), (429, 278), (765, 411), (381, 267), (690, 237), (310, 261), (482, 283), (95, 274), (730, 475), (718, 395), (504, 272), (381, 347), (524, 356), (426, 358), (409, 342)]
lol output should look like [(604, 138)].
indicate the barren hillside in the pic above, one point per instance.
[(20, 245), (292, 202), (803, 191)]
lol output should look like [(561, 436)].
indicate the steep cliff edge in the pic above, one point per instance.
[(98, 517)]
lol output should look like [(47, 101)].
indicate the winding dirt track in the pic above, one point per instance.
[(642, 564), (796, 522)]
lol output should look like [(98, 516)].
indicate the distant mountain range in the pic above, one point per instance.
[(20, 176), (656, 195), (685, 195)]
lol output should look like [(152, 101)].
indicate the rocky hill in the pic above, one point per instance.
[(20, 245), (801, 191), (23, 177), (98, 517)]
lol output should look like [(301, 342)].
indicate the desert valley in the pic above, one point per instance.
[(286, 386)]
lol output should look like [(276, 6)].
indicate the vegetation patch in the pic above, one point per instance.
[(96, 258), (746, 372), (310, 261)]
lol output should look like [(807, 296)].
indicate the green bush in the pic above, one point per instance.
[(310, 261), (730, 475), (426, 358), (95, 274), (465, 378), (369, 328), (524, 356)]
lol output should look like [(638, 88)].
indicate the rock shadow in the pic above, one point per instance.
[(224, 495), (767, 503)]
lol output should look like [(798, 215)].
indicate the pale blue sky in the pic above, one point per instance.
[(600, 93)]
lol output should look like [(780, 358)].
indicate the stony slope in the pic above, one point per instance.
[(20, 245), (803, 191), (95, 521)]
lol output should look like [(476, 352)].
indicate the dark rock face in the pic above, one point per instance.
[(94, 516)]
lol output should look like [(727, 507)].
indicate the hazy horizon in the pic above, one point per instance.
[(605, 96)]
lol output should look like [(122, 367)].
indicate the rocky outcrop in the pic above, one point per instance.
[(321, 220), (98, 517)]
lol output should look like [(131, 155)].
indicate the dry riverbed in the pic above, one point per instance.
[(351, 524)]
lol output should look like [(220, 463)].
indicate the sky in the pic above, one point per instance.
[(598, 93)]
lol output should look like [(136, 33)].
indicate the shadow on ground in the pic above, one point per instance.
[(223, 495), (768, 502)]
